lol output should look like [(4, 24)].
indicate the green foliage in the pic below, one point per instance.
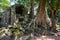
[(57, 27), (15, 30), (4, 4), (24, 2), (54, 4), (27, 2), (48, 11)]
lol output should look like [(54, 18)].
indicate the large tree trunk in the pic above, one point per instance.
[(41, 14), (31, 9)]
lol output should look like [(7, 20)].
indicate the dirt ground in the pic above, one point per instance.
[(48, 38)]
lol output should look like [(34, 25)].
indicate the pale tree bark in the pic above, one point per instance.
[(8, 16)]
